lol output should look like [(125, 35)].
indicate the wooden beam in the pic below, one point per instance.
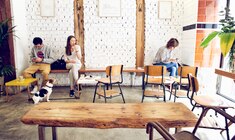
[(79, 26), (140, 23)]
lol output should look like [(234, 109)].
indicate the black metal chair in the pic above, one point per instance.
[(114, 77), (182, 81), (207, 100), (184, 135), (154, 75)]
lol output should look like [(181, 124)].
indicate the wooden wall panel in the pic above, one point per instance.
[(79, 26), (140, 21)]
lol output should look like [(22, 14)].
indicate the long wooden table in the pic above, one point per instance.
[(95, 115)]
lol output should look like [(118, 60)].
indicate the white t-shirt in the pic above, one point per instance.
[(163, 55), (73, 55)]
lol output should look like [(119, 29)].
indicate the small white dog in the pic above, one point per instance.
[(45, 91)]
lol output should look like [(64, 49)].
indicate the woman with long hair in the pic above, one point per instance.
[(73, 58)]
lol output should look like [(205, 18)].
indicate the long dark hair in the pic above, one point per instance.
[(173, 42), (68, 46)]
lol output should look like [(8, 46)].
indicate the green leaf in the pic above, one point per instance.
[(208, 39), (226, 42)]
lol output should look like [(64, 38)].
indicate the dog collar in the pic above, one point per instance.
[(48, 86)]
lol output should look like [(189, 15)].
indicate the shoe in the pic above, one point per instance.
[(71, 94), (35, 89)]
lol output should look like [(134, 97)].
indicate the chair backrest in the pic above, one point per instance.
[(114, 71), (185, 70), (167, 136), (195, 83), (153, 70)]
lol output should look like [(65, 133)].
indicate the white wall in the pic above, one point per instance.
[(189, 36), (108, 40), (20, 43), (159, 31)]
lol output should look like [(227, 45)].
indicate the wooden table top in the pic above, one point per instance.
[(99, 115), (225, 73), (24, 82)]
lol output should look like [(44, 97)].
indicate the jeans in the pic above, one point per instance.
[(172, 67)]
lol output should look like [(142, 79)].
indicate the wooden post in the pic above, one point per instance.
[(79, 26), (140, 22)]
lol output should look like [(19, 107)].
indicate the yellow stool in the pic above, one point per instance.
[(18, 83)]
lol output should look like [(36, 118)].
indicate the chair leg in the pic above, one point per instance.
[(170, 94), (95, 92), (193, 107), (175, 87), (143, 87), (142, 98), (164, 92), (175, 96), (226, 126), (105, 100), (121, 93)]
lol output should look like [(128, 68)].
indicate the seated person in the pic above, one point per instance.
[(73, 58), (41, 60), (164, 57)]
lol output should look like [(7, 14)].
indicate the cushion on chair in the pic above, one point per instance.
[(213, 101), (153, 93), (109, 93), (107, 80), (184, 135)]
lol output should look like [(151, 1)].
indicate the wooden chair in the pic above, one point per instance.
[(184, 134), (154, 75), (205, 100), (181, 81), (113, 77)]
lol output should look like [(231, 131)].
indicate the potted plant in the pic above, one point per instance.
[(226, 35), (5, 68)]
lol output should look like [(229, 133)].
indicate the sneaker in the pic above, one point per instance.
[(35, 89), (71, 94)]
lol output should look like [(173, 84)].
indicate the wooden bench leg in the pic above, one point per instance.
[(41, 132), (6, 88), (132, 78), (54, 134)]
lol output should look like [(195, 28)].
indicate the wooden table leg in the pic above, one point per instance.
[(54, 133), (41, 132), (178, 129), (6, 93)]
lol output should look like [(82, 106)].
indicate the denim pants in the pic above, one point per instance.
[(172, 67)]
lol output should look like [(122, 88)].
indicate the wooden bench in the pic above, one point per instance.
[(103, 116), (132, 71)]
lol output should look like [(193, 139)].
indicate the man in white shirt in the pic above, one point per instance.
[(164, 57)]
